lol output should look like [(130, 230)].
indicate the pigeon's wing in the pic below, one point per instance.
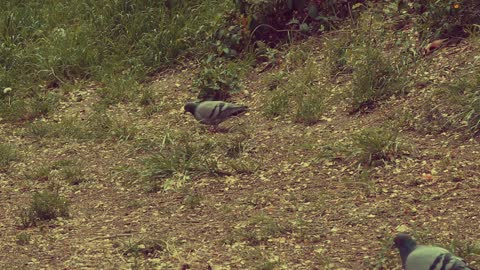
[(434, 258), (215, 112)]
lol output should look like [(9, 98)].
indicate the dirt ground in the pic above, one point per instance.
[(301, 208)]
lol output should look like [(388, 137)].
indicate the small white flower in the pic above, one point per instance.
[(6, 90)]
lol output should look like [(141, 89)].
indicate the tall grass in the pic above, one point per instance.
[(47, 43)]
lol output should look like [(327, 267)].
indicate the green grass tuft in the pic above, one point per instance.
[(45, 206)]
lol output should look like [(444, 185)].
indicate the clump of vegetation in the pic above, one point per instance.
[(372, 145), (192, 200), (178, 156), (43, 49), (464, 96), (274, 21), (374, 79), (300, 94), (69, 127), (444, 19), (22, 108), (23, 238), (310, 106), (7, 155), (45, 205), (259, 229), (336, 49), (69, 171), (218, 82)]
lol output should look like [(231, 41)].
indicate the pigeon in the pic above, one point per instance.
[(213, 112), (419, 257)]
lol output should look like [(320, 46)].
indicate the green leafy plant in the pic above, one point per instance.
[(69, 171), (23, 238), (445, 19), (177, 157), (374, 79), (371, 145), (464, 95), (45, 206), (42, 48), (7, 155), (259, 228), (217, 82)]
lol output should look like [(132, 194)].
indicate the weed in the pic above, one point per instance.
[(464, 96), (372, 145), (275, 80), (23, 238), (277, 103), (69, 171), (7, 155), (41, 173), (464, 249), (217, 81), (336, 54), (309, 107), (68, 127), (300, 95), (45, 205), (374, 79), (28, 108), (41, 45), (236, 146), (298, 55), (260, 228), (147, 97), (192, 201), (119, 90), (178, 156), (123, 130)]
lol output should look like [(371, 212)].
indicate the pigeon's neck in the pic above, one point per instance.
[(190, 107), (405, 250)]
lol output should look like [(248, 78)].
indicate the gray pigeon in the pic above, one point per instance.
[(213, 112), (418, 257)]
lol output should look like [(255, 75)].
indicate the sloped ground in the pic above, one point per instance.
[(298, 210)]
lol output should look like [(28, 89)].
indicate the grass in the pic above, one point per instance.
[(179, 155), (192, 200), (300, 96), (69, 127), (464, 95), (375, 145), (45, 47), (374, 79), (23, 238), (98, 125), (336, 49), (69, 171), (7, 155), (45, 205), (259, 229)]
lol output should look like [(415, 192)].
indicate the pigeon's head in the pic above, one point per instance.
[(404, 240), (190, 107)]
